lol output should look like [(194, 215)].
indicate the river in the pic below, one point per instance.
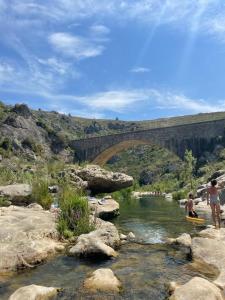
[(144, 267)]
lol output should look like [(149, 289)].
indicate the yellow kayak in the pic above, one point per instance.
[(196, 220)]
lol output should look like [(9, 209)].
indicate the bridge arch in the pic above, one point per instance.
[(106, 154)]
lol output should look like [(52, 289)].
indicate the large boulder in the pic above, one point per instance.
[(105, 209), (103, 181), (183, 242), (100, 242), (34, 292), (208, 253), (197, 289), (216, 174), (102, 280), (19, 194), (28, 236)]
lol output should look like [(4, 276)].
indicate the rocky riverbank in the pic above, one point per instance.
[(208, 256)]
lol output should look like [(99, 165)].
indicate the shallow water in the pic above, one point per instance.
[(143, 267)]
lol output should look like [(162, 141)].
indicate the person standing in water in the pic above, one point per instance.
[(214, 201), (189, 206)]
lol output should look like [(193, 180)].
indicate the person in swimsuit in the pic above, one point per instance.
[(214, 201), (189, 206)]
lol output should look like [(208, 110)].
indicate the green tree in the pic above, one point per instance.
[(189, 168)]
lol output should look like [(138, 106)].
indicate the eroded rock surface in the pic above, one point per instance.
[(27, 237), (197, 289), (103, 181), (17, 193), (34, 292), (105, 209), (102, 280), (101, 241), (208, 251)]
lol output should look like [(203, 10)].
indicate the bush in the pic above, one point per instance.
[(74, 215), (182, 194), (40, 193)]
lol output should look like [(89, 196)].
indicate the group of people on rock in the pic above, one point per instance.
[(213, 199)]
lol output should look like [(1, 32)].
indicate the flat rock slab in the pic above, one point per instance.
[(105, 209), (27, 236), (197, 289), (34, 292), (210, 252), (102, 280)]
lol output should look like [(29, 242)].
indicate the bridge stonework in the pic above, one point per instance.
[(197, 137)]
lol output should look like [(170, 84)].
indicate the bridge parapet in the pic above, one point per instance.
[(195, 136)]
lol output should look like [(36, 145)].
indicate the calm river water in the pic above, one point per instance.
[(144, 268)]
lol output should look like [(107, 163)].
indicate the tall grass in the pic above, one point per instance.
[(74, 214), (40, 193)]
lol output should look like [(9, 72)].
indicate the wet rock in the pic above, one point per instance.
[(100, 180), (100, 242), (123, 236), (197, 288), (54, 189), (28, 236), (130, 236), (209, 253), (34, 292), (102, 280)]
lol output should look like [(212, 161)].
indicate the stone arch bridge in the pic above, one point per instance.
[(197, 137)]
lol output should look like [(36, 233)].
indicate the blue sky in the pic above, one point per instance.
[(114, 58)]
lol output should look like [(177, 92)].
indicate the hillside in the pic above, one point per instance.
[(33, 136)]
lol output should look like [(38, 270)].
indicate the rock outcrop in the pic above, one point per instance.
[(101, 241), (195, 289), (103, 181), (105, 209), (183, 240), (18, 194), (208, 252), (34, 292), (28, 236), (102, 280)]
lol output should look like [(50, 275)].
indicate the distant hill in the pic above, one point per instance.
[(28, 131), (33, 135)]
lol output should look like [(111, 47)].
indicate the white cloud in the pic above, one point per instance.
[(99, 29), (140, 70), (74, 46)]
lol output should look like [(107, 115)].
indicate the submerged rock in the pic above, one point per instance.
[(101, 241), (102, 280), (103, 181), (195, 289), (34, 292)]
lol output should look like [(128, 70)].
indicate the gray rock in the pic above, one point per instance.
[(34, 292)]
